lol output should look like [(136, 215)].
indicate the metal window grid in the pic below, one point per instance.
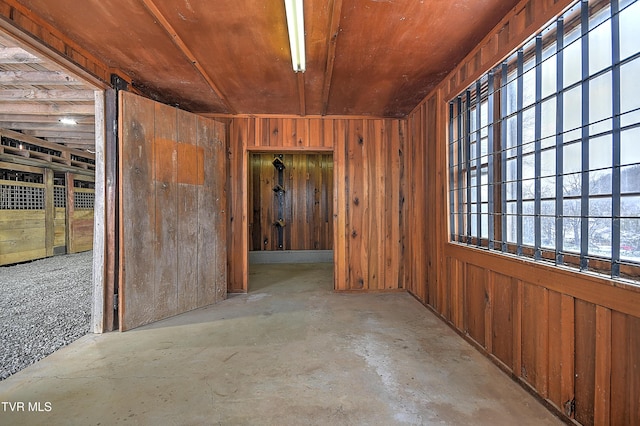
[(579, 196)]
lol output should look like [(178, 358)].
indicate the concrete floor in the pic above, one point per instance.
[(291, 352)]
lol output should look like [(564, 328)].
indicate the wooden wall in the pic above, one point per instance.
[(368, 210), (572, 338), (35, 233), (307, 202), (173, 217), (22, 22)]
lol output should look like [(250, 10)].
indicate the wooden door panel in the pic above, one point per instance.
[(173, 223)]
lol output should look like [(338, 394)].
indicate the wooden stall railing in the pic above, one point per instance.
[(46, 198)]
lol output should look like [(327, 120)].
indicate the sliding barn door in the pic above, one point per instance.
[(172, 211)]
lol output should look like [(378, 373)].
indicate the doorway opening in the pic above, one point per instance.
[(290, 204), (50, 130)]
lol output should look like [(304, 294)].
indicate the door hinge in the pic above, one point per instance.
[(116, 301), (570, 407)]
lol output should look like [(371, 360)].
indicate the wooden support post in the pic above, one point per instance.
[(99, 224), (69, 191), (111, 207), (49, 212)]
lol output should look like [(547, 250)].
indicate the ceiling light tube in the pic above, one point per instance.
[(68, 121), (295, 24)]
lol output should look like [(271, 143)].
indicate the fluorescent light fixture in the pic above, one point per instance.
[(69, 121), (295, 23)]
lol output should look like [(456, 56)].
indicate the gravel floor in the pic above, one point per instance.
[(44, 305)]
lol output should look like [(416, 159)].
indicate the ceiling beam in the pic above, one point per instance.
[(59, 134), (40, 78), (17, 95), (17, 55), (57, 126), (334, 30), (53, 118), (301, 94), (75, 143), (153, 9), (41, 108)]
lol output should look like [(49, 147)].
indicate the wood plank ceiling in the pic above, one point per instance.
[(36, 94), (364, 57)]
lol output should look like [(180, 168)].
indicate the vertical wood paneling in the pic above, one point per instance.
[(240, 135), (358, 203), (555, 344), (187, 202), (207, 239), (535, 337), (366, 155), (572, 346), (376, 201), (585, 361), (395, 208), (432, 202), (219, 173), (341, 221), (602, 400), (153, 255), (307, 204), (518, 297), (625, 369), (166, 200), (502, 321), (137, 176), (474, 303)]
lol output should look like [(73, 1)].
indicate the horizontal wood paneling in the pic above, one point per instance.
[(33, 234), (368, 202), (22, 235)]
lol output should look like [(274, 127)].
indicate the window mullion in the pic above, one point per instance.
[(460, 173), (503, 153), (467, 148), (519, 167), (478, 164), (453, 187), (584, 191), (490, 152), (538, 152), (559, 143), (615, 177)]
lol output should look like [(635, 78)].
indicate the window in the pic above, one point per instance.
[(544, 150)]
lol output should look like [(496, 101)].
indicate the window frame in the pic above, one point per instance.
[(500, 229)]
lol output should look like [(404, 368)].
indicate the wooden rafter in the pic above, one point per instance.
[(38, 78), (301, 93), (177, 40), (334, 30), (17, 55), (47, 126), (38, 108), (20, 95)]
